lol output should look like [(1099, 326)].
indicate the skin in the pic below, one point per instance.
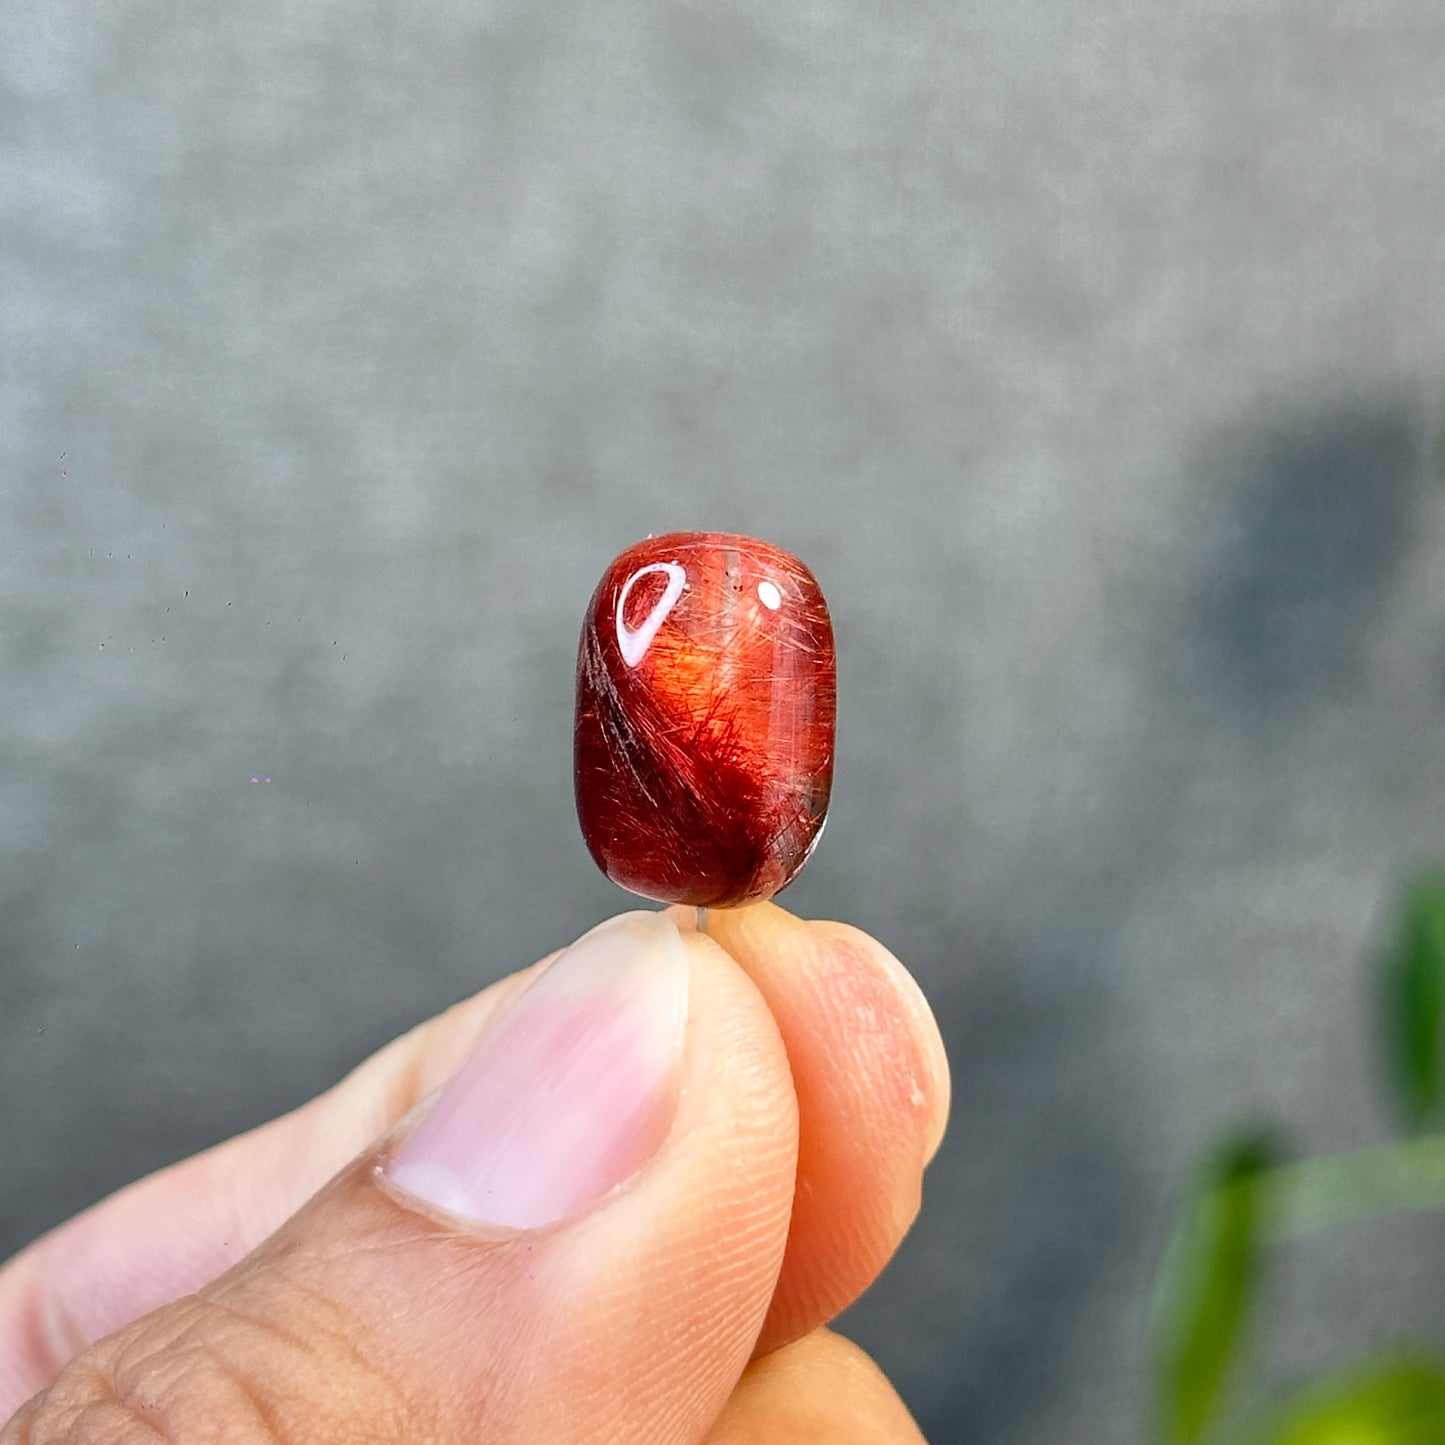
[(273, 1289)]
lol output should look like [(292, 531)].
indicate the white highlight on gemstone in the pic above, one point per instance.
[(634, 641), (769, 596)]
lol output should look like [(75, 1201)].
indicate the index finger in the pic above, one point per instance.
[(873, 1092)]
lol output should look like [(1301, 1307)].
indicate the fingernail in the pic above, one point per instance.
[(571, 1090)]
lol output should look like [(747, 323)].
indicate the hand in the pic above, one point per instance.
[(668, 1162)]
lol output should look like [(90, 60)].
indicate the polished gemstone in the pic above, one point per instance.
[(706, 686)]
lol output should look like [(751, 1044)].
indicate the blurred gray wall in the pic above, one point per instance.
[(1090, 354)]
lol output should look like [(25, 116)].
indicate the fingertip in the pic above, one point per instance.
[(842, 957), (871, 1082), (933, 1084)]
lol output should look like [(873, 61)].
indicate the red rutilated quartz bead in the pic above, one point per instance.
[(706, 686)]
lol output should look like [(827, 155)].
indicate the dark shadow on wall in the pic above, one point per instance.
[(1326, 503)]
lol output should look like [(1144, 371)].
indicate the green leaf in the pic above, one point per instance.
[(1391, 1403), (1205, 1285), (1412, 981)]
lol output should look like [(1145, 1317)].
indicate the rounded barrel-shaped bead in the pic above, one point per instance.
[(706, 697)]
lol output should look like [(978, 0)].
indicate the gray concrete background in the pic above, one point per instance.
[(1092, 357)]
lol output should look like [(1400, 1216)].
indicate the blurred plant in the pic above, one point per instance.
[(1245, 1196), (1412, 978)]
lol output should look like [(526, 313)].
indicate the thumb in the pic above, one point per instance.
[(576, 1239)]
